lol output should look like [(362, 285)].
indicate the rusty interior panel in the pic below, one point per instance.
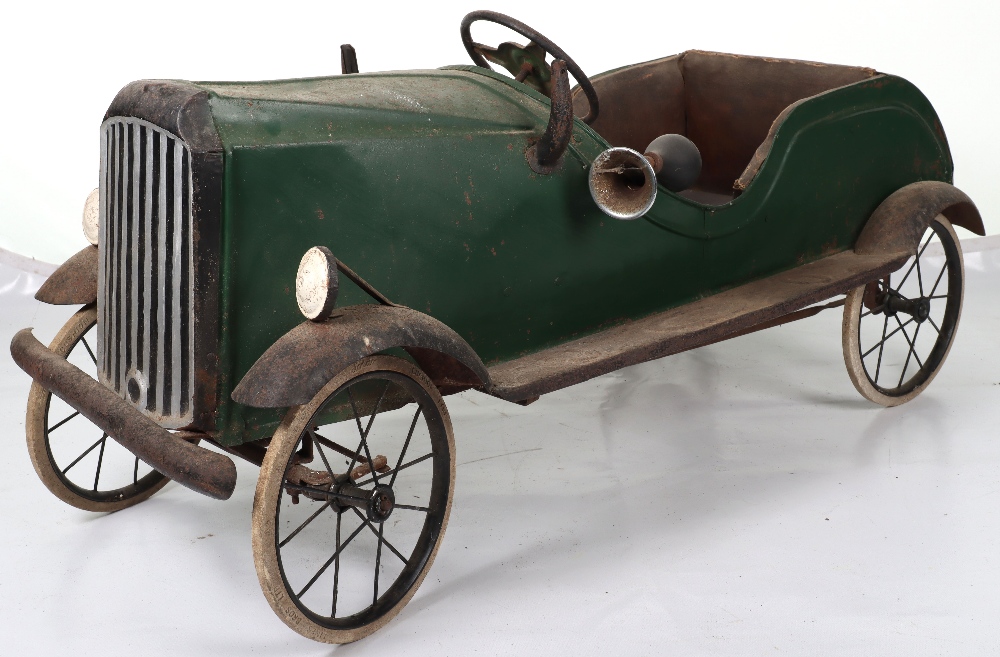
[(725, 104)]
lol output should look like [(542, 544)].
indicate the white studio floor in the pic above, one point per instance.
[(740, 499)]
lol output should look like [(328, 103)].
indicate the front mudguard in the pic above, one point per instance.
[(302, 361), (74, 283), (899, 222)]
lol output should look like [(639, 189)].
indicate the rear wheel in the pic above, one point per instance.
[(898, 331), (77, 462), (340, 549)]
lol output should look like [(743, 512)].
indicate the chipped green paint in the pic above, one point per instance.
[(418, 181)]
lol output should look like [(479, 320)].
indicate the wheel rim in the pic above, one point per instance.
[(907, 321), (345, 568), (96, 472)]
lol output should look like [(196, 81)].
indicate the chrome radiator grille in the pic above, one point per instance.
[(145, 276)]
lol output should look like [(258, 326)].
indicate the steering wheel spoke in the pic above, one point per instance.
[(516, 58)]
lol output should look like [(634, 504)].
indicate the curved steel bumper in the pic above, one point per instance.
[(199, 469)]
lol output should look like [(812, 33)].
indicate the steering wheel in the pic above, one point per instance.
[(526, 63)]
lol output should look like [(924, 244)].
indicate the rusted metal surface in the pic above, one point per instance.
[(183, 109), (196, 468), (381, 466), (252, 452), (74, 283), (299, 475), (687, 327), (545, 155), (348, 59), (476, 50), (295, 367), (898, 223), (447, 373), (811, 311)]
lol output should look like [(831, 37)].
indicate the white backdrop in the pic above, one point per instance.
[(62, 65)]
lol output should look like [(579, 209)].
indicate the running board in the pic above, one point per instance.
[(692, 325)]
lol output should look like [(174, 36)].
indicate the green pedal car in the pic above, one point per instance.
[(298, 272)]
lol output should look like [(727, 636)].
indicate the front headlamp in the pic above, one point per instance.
[(92, 216), (316, 283)]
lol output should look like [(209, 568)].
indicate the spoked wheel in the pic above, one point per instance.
[(353, 499), (897, 331), (75, 460)]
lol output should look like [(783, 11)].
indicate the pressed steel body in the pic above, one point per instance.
[(418, 180)]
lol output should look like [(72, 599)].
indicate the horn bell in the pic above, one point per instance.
[(622, 183)]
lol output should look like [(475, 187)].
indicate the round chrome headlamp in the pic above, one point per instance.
[(92, 216), (316, 283)]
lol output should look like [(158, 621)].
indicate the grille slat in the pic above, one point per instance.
[(145, 272), (147, 297), (175, 333)]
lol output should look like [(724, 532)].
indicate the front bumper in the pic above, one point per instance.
[(199, 469)]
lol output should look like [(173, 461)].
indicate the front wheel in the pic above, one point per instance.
[(898, 331), (74, 459), (341, 544)]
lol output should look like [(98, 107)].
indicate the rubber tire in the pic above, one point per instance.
[(38, 446), (268, 494), (853, 307)]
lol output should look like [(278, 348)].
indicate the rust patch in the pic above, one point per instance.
[(74, 283), (196, 468)]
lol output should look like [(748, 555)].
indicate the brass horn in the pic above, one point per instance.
[(623, 183)]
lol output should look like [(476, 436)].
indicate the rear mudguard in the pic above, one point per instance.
[(74, 283), (302, 361), (898, 223)]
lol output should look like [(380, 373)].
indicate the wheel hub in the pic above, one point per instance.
[(381, 503), (919, 309)]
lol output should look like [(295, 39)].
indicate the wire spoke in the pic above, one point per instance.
[(303, 525), (340, 449), (911, 352), (411, 508), (931, 320), (135, 471), (89, 450), (944, 268), (886, 337), (920, 277), (336, 569), (89, 350), (62, 422), (100, 461), (364, 434), (381, 539), (916, 261), (329, 561), (878, 365), (378, 560), (406, 445), (402, 467), (907, 274), (322, 454)]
